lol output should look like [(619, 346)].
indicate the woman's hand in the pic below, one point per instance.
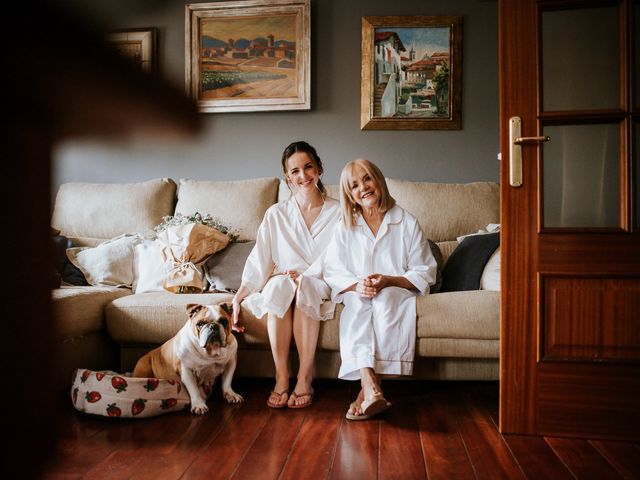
[(376, 282), (235, 304), (370, 286), (292, 274)]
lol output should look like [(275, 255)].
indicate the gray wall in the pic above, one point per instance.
[(248, 145)]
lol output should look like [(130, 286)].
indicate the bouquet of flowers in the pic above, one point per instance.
[(187, 242)]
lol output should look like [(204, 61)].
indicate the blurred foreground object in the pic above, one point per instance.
[(60, 80)]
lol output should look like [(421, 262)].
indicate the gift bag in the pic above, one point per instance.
[(184, 249)]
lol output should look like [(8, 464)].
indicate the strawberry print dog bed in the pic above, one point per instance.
[(119, 395)]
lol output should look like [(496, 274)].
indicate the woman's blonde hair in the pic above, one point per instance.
[(350, 209)]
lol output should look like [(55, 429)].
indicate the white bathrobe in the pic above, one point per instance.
[(285, 243), (379, 332)]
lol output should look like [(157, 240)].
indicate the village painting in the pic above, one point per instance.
[(412, 72), (248, 57)]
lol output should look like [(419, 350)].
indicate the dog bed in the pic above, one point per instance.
[(119, 395)]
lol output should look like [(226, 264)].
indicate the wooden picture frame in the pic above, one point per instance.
[(139, 45), (416, 86), (248, 55)]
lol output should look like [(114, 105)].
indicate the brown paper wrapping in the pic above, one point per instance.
[(185, 248)]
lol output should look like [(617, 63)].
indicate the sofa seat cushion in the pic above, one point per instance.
[(224, 199), (152, 318), (90, 213), (457, 348), (79, 311), (471, 314)]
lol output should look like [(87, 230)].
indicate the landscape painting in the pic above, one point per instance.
[(411, 73), (249, 58)]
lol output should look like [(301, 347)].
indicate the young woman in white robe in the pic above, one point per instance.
[(376, 264), (294, 233)]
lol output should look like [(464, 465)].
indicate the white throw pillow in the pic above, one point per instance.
[(150, 268), (109, 263), (490, 279)]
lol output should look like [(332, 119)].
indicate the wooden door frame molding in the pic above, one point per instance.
[(518, 386)]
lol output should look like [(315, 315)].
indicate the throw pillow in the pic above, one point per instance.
[(72, 275), (109, 263), (67, 271), (490, 279), (149, 269), (224, 269), (464, 268), (437, 254)]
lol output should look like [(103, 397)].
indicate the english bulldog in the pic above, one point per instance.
[(202, 350)]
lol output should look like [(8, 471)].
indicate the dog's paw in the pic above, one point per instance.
[(201, 409), (233, 397)]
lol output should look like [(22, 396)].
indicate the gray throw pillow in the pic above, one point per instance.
[(223, 269)]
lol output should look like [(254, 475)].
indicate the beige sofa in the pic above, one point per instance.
[(110, 328)]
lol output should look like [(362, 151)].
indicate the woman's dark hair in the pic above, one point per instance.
[(304, 147)]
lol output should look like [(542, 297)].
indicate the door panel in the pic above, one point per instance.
[(570, 326), (590, 318)]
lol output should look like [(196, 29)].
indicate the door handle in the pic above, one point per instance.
[(515, 149), (521, 140)]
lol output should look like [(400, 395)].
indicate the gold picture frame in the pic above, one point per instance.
[(139, 45), (416, 86), (248, 55)]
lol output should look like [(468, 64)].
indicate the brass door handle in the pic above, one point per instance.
[(515, 149), (521, 140)]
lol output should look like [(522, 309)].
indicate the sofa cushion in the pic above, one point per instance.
[(458, 348), (490, 279), (153, 317), (109, 263), (223, 270), (79, 311), (447, 248), (90, 213), (446, 211), (472, 314), (464, 268), (67, 271), (240, 204)]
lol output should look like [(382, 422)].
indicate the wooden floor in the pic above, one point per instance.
[(435, 430)]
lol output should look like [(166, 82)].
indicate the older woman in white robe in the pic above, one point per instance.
[(376, 264), (294, 233)]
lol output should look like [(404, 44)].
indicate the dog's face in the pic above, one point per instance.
[(211, 324)]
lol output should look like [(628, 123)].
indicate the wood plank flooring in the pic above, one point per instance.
[(435, 430)]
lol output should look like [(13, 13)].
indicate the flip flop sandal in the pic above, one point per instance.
[(375, 405), (295, 395), (280, 394), (353, 416)]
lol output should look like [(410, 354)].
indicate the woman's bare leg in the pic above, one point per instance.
[(305, 332), (280, 330)]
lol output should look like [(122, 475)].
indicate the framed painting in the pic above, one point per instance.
[(138, 45), (248, 55), (411, 74)]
